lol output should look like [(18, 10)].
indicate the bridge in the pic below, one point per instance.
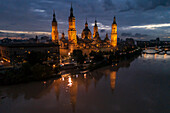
[(157, 50)]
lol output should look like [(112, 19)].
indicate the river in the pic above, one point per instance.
[(136, 85)]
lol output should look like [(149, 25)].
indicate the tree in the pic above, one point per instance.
[(98, 56), (92, 53), (78, 56)]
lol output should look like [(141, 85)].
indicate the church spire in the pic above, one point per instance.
[(63, 36), (86, 24), (71, 11), (72, 37), (114, 20), (95, 22), (54, 19), (86, 20)]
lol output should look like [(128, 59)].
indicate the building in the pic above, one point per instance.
[(86, 33), (72, 37), (54, 33), (87, 42), (114, 33), (11, 52)]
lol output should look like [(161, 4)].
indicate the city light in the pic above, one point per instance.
[(69, 81), (54, 65), (85, 75)]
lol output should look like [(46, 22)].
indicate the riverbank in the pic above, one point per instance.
[(40, 72)]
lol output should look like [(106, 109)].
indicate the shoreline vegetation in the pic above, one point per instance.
[(35, 70), (114, 59)]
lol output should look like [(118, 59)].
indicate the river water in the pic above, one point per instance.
[(136, 85)]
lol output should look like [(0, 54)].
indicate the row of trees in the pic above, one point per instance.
[(100, 56)]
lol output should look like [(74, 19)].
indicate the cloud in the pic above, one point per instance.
[(39, 10), (108, 5), (26, 32), (102, 30), (167, 37), (136, 35), (149, 26), (102, 26), (127, 7), (152, 4), (126, 34), (144, 5), (21, 34), (140, 35), (47, 1)]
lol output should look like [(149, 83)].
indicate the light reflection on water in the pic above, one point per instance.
[(156, 56), (131, 86)]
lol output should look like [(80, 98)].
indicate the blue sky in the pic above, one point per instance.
[(140, 19)]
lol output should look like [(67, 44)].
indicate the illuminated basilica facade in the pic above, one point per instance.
[(88, 41)]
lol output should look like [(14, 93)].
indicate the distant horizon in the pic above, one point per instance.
[(33, 34)]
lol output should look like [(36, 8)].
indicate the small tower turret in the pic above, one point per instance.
[(95, 29), (62, 36)]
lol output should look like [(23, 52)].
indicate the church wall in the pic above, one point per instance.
[(64, 52)]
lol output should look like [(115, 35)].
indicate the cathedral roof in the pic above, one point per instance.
[(86, 39), (106, 38), (64, 41), (63, 37), (86, 29), (97, 37)]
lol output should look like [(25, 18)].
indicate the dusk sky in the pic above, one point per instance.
[(140, 19)]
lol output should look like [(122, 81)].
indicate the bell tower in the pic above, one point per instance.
[(114, 33), (54, 33), (72, 27), (95, 29)]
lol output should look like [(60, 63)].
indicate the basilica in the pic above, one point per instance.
[(88, 41)]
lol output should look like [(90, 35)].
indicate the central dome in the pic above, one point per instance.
[(86, 33)]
